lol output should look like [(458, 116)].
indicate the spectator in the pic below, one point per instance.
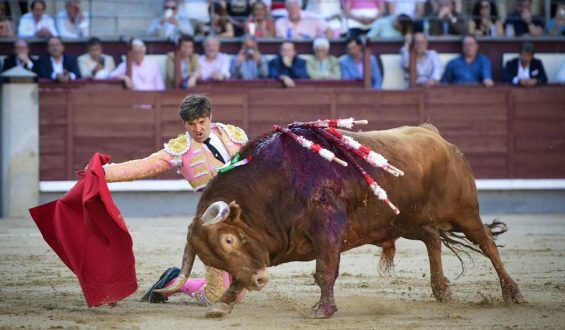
[(238, 11), (522, 22), (556, 25), (20, 57), (198, 13), (361, 14), (428, 67), (94, 64), (189, 64), (72, 22), (213, 64), (391, 27), (323, 66), (145, 74), (170, 25), (249, 64), (287, 66), (36, 23), (412, 8), (331, 12), (300, 24), (469, 68), (352, 64), (447, 21), (260, 24), (526, 70), (56, 65), (221, 25), (485, 21), (6, 26), (561, 75)]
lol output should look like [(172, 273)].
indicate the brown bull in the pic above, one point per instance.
[(288, 204)]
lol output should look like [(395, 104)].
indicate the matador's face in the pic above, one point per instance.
[(199, 129)]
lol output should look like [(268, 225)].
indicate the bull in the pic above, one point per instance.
[(288, 204)]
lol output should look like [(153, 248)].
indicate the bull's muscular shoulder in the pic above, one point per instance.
[(178, 146), (236, 134)]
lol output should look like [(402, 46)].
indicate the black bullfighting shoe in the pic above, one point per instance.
[(155, 297)]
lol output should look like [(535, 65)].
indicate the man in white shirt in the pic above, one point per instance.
[(72, 22), (213, 64), (94, 64), (170, 24), (145, 74), (36, 23)]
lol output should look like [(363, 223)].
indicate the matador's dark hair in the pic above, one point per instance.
[(195, 106)]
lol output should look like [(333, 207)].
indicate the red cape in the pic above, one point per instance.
[(88, 232)]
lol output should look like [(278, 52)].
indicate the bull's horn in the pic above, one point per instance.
[(187, 262), (216, 212)]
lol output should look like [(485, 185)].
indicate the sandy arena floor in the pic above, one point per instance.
[(38, 291)]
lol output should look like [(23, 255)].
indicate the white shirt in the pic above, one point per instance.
[(407, 7), (28, 26), (219, 145), (523, 73), (67, 29), (59, 69)]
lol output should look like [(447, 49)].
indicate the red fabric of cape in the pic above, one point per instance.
[(88, 232)]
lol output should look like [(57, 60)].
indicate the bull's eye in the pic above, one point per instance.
[(229, 240)]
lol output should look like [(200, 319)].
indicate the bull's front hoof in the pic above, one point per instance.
[(218, 310), (442, 293), (323, 312), (514, 297)]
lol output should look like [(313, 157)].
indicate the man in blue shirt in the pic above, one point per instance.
[(287, 65), (352, 64), (469, 68)]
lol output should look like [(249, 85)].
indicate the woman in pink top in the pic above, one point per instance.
[(259, 23), (361, 14)]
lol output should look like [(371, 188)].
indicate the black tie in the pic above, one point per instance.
[(214, 151)]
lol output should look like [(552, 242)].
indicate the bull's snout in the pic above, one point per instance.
[(260, 279)]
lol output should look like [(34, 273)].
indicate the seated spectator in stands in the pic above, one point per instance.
[(249, 64), (522, 22), (300, 24), (331, 12), (94, 64), (189, 64), (526, 70), (391, 27), (412, 8), (428, 67), (170, 25), (213, 64), (561, 75), (323, 66), (485, 21), (287, 66), (198, 13), (556, 25), (470, 67), (145, 74), (6, 26), (447, 21), (20, 57), (221, 25), (259, 23), (361, 14), (238, 11), (36, 23), (56, 64), (352, 64), (72, 22)]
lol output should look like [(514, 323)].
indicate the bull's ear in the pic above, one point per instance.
[(235, 211)]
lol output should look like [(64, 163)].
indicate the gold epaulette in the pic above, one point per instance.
[(178, 146), (236, 134)]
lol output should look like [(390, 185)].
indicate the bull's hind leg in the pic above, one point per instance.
[(430, 236), (480, 235)]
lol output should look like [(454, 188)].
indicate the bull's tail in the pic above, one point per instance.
[(459, 243)]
